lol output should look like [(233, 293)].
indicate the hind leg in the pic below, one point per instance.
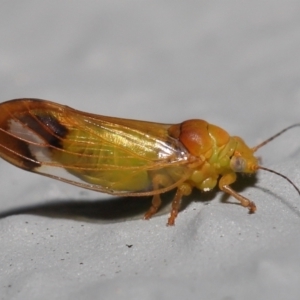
[(183, 190), (158, 181)]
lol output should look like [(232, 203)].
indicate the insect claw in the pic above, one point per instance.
[(252, 207), (171, 222), (173, 215), (149, 214)]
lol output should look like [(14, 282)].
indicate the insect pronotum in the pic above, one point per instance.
[(125, 157)]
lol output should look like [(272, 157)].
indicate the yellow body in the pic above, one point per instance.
[(119, 156)]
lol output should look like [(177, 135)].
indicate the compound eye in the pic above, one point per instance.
[(238, 164)]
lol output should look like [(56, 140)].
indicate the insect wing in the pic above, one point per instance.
[(111, 155)]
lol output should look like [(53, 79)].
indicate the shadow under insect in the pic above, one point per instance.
[(108, 210), (119, 209)]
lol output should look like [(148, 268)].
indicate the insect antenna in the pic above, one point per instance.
[(281, 175), (254, 149)]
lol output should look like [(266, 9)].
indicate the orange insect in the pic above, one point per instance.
[(124, 157)]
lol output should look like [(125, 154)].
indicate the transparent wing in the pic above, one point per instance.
[(111, 155)]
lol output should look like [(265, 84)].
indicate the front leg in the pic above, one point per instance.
[(224, 185)]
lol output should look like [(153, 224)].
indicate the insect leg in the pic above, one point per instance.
[(183, 190), (224, 185), (156, 202), (157, 181)]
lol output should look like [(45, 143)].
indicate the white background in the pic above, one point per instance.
[(232, 63)]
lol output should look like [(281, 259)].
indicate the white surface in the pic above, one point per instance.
[(233, 63)]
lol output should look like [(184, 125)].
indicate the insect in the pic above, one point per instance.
[(125, 157)]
